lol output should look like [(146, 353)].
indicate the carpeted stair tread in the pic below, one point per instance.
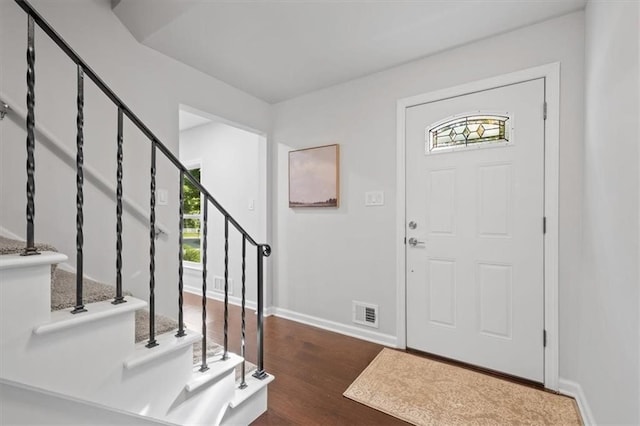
[(163, 325), (212, 349), (63, 290), (63, 294), (11, 246), (215, 349)]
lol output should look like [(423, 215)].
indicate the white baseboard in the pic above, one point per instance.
[(233, 300), (573, 389), (8, 234), (348, 330), (68, 268)]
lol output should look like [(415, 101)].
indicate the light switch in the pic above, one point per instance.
[(162, 197), (252, 204), (374, 198)]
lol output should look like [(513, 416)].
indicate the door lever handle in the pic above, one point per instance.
[(413, 242)]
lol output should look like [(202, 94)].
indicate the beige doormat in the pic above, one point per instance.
[(426, 392)]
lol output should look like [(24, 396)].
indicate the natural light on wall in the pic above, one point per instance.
[(466, 130)]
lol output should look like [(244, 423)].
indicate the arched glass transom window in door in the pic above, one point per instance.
[(467, 130)]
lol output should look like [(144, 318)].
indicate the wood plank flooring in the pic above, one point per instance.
[(313, 367)]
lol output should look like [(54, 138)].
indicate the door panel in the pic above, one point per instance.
[(475, 275), (442, 291), (494, 200), (442, 188)]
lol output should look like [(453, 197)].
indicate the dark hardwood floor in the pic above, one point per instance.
[(313, 367)]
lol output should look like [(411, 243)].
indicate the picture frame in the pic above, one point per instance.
[(314, 177)]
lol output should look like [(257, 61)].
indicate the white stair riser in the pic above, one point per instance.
[(22, 405), (81, 361), (250, 409), (206, 405), (161, 381), (85, 359), (25, 295), (88, 363)]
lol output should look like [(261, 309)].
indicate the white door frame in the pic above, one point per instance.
[(551, 74)]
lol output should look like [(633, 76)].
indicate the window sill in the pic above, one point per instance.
[(192, 266)]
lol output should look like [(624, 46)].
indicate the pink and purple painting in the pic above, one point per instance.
[(314, 177)]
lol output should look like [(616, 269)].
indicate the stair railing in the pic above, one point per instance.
[(263, 250)]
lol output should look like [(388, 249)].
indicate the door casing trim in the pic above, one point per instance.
[(551, 75)]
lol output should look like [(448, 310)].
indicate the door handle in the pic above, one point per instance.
[(413, 242)]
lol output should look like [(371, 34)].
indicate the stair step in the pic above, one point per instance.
[(63, 319), (167, 343), (63, 290), (253, 386), (217, 369), (12, 246), (14, 261), (162, 325)]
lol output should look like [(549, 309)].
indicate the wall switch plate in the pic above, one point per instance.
[(162, 197), (374, 198), (252, 204)]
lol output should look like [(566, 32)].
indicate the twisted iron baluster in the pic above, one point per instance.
[(225, 355), (31, 140), (263, 251), (152, 252), (79, 193), (119, 298), (243, 383), (181, 331), (204, 226)]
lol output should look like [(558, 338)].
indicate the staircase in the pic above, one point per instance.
[(101, 356), (68, 341)]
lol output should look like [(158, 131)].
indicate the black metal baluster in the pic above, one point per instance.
[(204, 226), (79, 194), (243, 383), (263, 250), (119, 298), (225, 355), (31, 140), (181, 331), (152, 252)]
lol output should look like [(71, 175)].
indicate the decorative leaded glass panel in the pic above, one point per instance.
[(470, 129)]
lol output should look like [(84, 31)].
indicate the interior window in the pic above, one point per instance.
[(191, 227)]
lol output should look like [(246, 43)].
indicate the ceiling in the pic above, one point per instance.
[(188, 120), (280, 49)]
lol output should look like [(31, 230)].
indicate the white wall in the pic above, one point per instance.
[(608, 341), (325, 258), (230, 160), (27, 405), (153, 85)]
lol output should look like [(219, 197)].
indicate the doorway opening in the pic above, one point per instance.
[(230, 161)]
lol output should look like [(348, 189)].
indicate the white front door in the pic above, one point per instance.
[(474, 228)]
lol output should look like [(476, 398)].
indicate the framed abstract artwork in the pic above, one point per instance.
[(314, 177)]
